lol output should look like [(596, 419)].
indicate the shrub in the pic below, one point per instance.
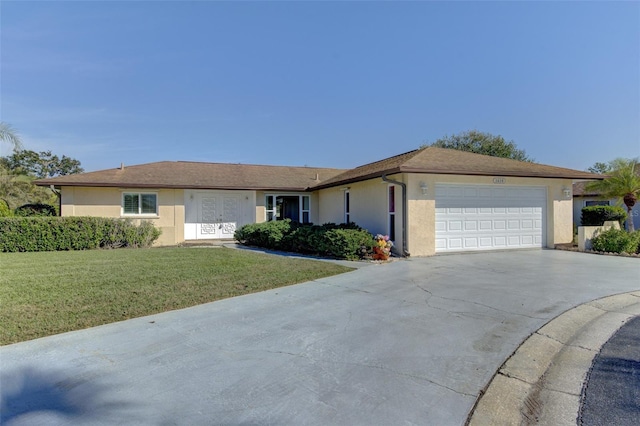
[(345, 241), (617, 241), (304, 239), (349, 244), (598, 215), (38, 210), (266, 234), (20, 234)]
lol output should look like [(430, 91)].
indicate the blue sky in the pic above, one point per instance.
[(327, 84)]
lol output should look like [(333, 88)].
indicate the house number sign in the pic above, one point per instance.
[(499, 180)]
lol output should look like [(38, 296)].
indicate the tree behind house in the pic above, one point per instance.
[(482, 143), (22, 167), (41, 165)]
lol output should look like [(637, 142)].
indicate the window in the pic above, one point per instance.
[(596, 203), (139, 204), (305, 209), (347, 207), (392, 212), (270, 207), (294, 207)]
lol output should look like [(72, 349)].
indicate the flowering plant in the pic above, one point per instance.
[(382, 247)]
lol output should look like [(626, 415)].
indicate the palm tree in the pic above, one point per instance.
[(623, 182), (8, 134)]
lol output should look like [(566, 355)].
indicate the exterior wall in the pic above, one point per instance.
[(331, 205), (368, 201), (421, 216), (580, 202), (560, 231), (261, 215), (369, 207), (314, 213), (106, 202), (176, 207)]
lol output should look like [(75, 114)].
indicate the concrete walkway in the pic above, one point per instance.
[(410, 342)]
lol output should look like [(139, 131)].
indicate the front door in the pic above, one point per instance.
[(218, 216)]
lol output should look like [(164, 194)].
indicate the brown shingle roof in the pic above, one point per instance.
[(184, 174), (450, 161), (580, 190)]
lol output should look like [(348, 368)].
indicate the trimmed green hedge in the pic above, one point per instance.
[(343, 241), (598, 215), (20, 234)]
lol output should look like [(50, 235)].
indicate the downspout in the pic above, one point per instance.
[(403, 185)]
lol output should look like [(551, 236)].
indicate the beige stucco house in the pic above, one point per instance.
[(429, 201)]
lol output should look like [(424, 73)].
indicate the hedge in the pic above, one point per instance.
[(21, 234), (344, 241), (598, 215)]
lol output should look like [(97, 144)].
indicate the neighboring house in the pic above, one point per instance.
[(429, 201), (584, 198)]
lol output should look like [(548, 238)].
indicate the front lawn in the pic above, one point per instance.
[(47, 293)]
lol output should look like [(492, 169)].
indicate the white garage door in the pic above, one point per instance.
[(475, 217)]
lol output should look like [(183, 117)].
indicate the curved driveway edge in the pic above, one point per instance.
[(409, 342), (542, 381)]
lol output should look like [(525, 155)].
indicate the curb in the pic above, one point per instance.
[(541, 383)]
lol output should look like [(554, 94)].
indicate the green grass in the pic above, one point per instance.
[(52, 292)]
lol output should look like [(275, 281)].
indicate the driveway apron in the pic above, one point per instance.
[(409, 342)]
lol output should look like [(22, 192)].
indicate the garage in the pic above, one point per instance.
[(489, 217)]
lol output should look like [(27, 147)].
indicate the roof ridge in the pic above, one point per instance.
[(246, 164), (389, 159)]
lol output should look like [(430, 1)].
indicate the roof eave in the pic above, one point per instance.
[(368, 176), (513, 173), (169, 186)]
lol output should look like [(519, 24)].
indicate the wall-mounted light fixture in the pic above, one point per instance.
[(567, 192), (424, 187)]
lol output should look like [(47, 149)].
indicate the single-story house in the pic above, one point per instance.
[(584, 198), (430, 200)]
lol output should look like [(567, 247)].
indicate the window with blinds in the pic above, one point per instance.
[(139, 203)]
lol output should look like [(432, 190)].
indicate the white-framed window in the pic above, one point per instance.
[(305, 210), (294, 207), (139, 203), (347, 207), (392, 212)]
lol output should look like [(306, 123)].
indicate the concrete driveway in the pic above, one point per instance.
[(410, 342)]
